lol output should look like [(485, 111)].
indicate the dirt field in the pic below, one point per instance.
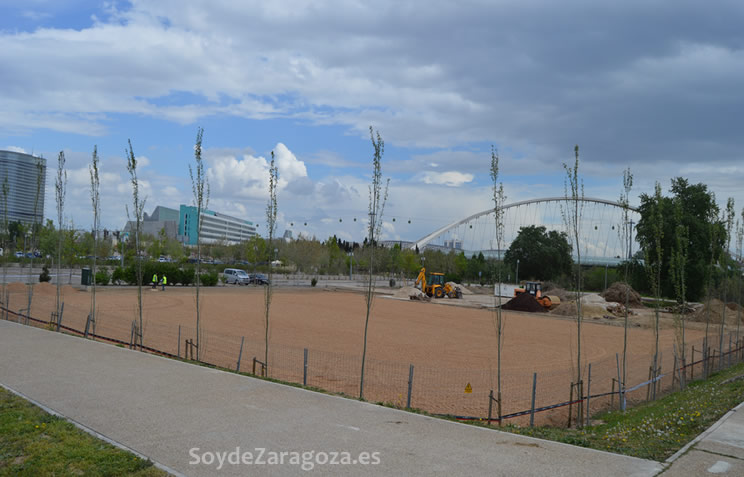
[(449, 345)]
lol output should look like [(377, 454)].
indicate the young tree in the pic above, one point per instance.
[(271, 209), (728, 220), (572, 215), (200, 189), (138, 210), (60, 189), (626, 230), (95, 199), (499, 199), (35, 226), (653, 262), (677, 267), (740, 253), (377, 200), (714, 235), (6, 236)]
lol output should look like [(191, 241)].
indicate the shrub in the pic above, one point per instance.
[(208, 279), (44, 276), (118, 276), (313, 282), (186, 276), (102, 277)]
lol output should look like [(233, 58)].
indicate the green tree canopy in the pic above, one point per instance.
[(542, 255), (705, 233)]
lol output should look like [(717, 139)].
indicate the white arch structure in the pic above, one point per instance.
[(421, 243)]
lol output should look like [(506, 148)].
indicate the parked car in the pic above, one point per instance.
[(260, 279), (19, 254), (237, 276)]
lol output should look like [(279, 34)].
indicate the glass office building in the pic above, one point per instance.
[(26, 176)]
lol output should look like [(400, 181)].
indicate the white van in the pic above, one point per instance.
[(236, 275)]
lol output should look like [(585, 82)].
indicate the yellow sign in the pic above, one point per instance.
[(468, 389)]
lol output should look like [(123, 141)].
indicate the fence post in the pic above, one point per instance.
[(490, 406), (588, 392), (410, 386), (304, 369), (650, 382), (240, 353), (532, 409), (498, 403), (570, 405), (87, 326), (254, 366), (729, 351), (59, 318), (179, 342), (612, 395), (674, 373), (620, 385), (692, 365)]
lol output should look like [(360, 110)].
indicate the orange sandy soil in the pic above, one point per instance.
[(448, 345)]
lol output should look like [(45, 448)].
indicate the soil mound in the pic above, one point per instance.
[(524, 302), (550, 288), (588, 310), (716, 312), (464, 290), (408, 292), (616, 292)]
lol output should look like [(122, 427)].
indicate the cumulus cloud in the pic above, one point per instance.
[(16, 149), (449, 178), (248, 176)]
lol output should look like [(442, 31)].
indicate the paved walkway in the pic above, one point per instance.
[(717, 451), (166, 409)]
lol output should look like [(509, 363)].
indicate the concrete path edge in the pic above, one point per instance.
[(92, 432)]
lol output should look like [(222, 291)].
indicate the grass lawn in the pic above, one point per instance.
[(658, 429), (34, 443)]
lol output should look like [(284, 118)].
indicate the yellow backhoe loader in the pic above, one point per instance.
[(436, 286), (535, 289)]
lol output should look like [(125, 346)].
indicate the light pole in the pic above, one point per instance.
[(517, 271), (606, 265), (351, 260)]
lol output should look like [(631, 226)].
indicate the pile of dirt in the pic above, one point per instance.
[(588, 310), (716, 313), (408, 292), (464, 290), (524, 302), (550, 288), (617, 293), (592, 306)]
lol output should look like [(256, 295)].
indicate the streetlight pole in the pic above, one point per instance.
[(517, 271), (606, 265), (351, 260)]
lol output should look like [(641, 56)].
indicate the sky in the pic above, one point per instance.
[(654, 86)]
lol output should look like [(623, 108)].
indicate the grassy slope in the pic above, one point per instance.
[(656, 430), (33, 443)]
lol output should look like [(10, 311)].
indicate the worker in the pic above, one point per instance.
[(154, 280), (165, 282)]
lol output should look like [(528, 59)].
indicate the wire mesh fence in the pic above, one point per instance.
[(554, 395)]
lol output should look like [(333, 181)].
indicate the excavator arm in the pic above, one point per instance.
[(421, 279)]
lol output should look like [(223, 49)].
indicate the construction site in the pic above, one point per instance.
[(438, 354)]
